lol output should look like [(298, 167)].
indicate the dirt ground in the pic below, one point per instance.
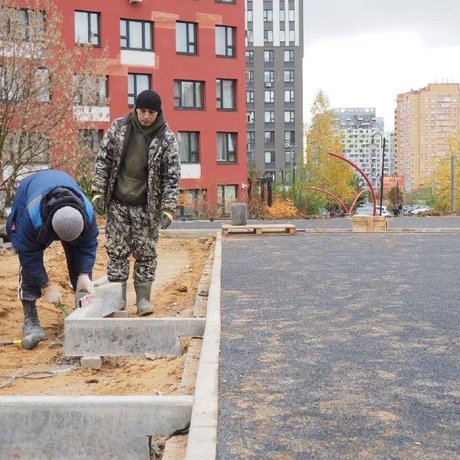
[(45, 370)]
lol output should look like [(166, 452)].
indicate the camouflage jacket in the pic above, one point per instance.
[(163, 166)]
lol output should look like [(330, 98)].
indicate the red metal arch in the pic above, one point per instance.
[(369, 183), (344, 206)]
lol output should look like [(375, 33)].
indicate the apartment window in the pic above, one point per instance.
[(42, 85), (268, 15), (225, 41), (226, 195), (288, 55), (186, 37), (282, 36), (282, 15), (269, 137), (268, 36), (249, 76), (250, 96), (269, 96), (87, 28), (269, 157), (289, 116), (269, 76), (136, 35), (188, 146), (137, 82), (225, 94), (250, 57), (269, 116), (269, 56), (18, 24), (250, 117), (289, 138), (251, 137), (188, 94), (27, 148), (249, 15), (291, 36), (226, 147), (291, 15), (288, 76), (90, 91), (90, 139), (288, 95)]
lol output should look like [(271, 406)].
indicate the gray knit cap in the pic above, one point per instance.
[(68, 223)]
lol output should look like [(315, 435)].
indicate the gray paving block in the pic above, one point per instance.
[(108, 299), (88, 427), (128, 336), (91, 362)]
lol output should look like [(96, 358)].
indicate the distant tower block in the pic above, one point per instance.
[(239, 214)]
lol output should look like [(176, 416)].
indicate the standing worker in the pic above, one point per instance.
[(136, 180), (48, 206)]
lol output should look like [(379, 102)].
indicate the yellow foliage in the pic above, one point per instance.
[(282, 209)]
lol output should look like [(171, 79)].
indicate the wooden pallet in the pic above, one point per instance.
[(259, 229)]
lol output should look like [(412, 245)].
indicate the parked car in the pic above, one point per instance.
[(420, 209), (366, 210)]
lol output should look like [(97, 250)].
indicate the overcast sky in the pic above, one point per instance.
[(363, 53)]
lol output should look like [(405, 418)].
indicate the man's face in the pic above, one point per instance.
[(146, 117)]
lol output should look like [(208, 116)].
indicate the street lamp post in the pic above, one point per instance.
[(452, 184), (382, 140)]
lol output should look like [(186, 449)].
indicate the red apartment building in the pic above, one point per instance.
[(193, 54)]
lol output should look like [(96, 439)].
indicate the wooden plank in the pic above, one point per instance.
[(259, 229)]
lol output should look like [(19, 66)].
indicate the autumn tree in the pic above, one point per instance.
[(442, 175), (42, 81), (325, 171)]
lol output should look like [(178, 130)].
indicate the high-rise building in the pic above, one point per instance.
[(192, 54), (274, 55), (424, 120), (362, 145)]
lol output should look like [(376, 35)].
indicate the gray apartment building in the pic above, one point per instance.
[(359, 126), (274, 96)]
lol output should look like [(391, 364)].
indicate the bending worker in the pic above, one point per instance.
[(136, 180), (48, 206)]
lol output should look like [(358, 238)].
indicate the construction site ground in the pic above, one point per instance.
[(46, 371)]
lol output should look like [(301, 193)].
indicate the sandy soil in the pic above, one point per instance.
[(45, 371)]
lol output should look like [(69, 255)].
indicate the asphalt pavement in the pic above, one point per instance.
[(340, 345)]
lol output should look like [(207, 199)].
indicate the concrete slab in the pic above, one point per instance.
[(88, 427), (203, 426), (128, 336)]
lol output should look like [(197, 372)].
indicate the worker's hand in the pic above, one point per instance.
[(84, 284), (99, 203), (165, 220), (52, 294)]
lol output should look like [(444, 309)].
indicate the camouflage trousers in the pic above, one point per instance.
[(128, 231)]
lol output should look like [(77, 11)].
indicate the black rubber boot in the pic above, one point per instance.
[(32, 330), (143, 291)]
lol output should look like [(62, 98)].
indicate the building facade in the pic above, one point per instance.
[(424, 121), (362, 144), (274, 96), (193, 55)]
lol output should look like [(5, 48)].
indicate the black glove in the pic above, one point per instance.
[(165, 220), (99, 203)]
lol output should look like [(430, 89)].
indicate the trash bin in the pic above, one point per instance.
[(239, 213)]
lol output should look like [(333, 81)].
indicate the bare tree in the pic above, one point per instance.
[(42, 82)]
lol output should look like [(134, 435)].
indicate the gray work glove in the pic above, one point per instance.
[(165, 220), (51, 294), (84, 284), (99, 203)]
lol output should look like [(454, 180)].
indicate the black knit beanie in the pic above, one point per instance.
[(149, 99)]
